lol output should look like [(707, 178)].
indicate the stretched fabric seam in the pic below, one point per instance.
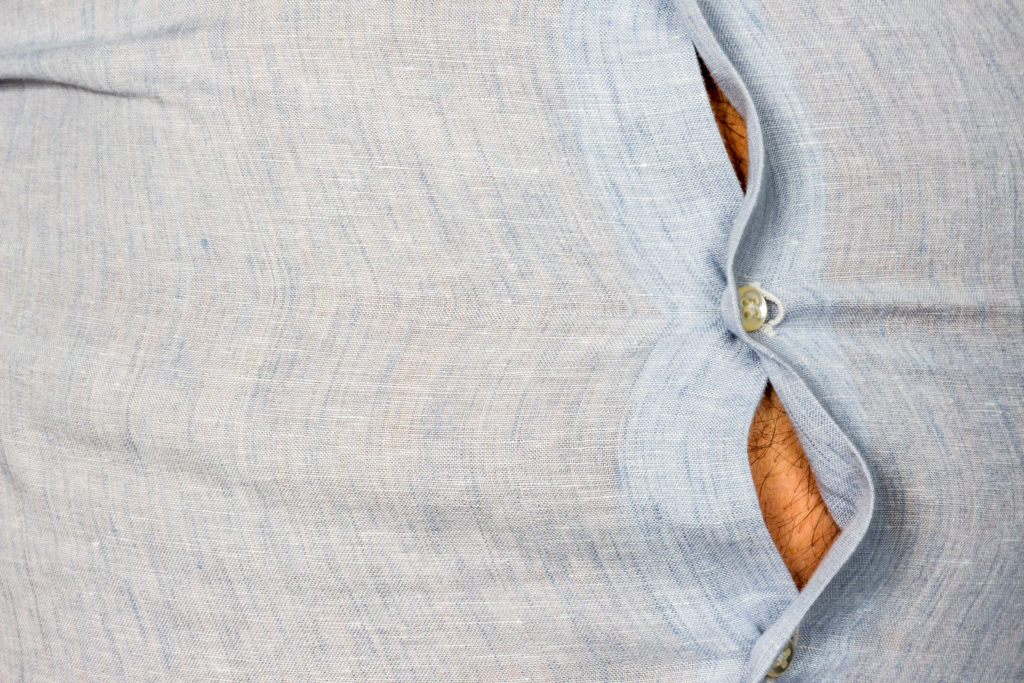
[(775, 637)]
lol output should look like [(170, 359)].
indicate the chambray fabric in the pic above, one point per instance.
[(399, 340)]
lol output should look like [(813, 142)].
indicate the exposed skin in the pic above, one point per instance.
[(794, 512), (793, 509)]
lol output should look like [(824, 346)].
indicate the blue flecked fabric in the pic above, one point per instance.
[(362, 341)]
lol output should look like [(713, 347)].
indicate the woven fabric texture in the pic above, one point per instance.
[(368, 341)]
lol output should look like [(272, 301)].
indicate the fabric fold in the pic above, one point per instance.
[(791, 387)]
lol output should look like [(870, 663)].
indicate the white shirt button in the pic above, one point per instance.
[(753, 308)]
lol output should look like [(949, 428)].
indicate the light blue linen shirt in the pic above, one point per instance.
[(400, 340)]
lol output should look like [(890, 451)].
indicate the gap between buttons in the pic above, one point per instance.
[(794, 511)]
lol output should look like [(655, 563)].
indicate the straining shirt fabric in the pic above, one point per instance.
[(366, 341)]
